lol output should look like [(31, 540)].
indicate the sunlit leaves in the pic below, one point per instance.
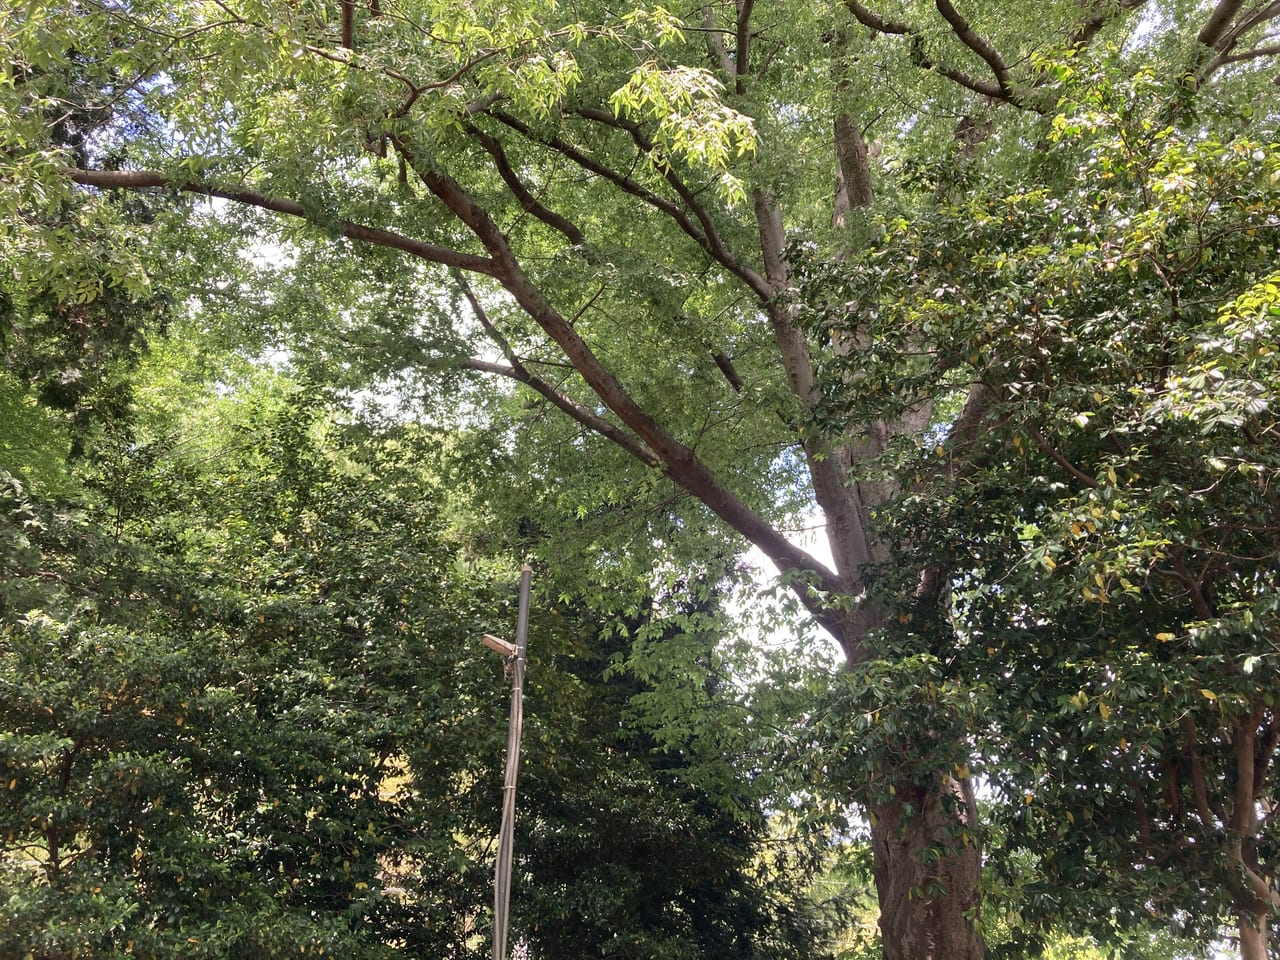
[(693, 123)]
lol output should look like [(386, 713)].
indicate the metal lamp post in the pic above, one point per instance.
[(514, 653)]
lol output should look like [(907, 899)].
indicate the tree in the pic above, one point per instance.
[(644, 830), (221, 733), (245, 710), (619, 190), (1110, 542)]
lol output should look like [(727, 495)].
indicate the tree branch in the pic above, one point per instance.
[(839, 499), (681, 464), (742, 50), (1217, 63), (853, 169), (1244, 815), (977, 43), (348, 23), (703, 232), (527, 200), (1215, 28), (1198, 787), (1266, 754), (1221, 36), (726, 367), (1243, 827), (1253, 19), (1105, 12), (1062, 461), (519, 372), (143, 180), (718, 52), (868, 18), (711, 242)]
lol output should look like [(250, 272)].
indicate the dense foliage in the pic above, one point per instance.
[(1108, 641), (245, 712), (1014, 358)]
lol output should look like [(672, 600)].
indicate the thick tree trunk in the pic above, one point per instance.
[(1253, 936), (927, 868)]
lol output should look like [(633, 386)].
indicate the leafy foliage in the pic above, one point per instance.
[(245, 712), (1110, 541)]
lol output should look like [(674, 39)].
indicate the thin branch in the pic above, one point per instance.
[(519, 372), (144, 179), (726, 367), (872, 20), (712, 242), (709, 241), (348, 59), (869, 18), (1105, 13), (619, 180), (1195, 587), (1062, 461)]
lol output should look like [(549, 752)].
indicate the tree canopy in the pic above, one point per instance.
[(990, 289)]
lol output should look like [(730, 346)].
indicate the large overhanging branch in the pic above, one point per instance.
[(817, 582), (830, 478), (679, 461), (143, 180)]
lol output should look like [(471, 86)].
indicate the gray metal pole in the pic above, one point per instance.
[(506, 838)]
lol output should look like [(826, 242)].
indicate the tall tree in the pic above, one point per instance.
[(1110, 541), (618, 187), (645, 832)]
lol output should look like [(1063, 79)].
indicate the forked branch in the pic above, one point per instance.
[(527, 200), (874, 21), (680, 462)]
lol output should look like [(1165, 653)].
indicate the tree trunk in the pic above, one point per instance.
[(927, 868), (1253, 936)]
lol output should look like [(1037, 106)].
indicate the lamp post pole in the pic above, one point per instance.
[(515, 656)]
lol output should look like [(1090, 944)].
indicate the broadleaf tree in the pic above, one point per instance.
[(1110, 542), (609, 195), (245, 711)]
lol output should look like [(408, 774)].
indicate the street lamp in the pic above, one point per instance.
[(514, 654)]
